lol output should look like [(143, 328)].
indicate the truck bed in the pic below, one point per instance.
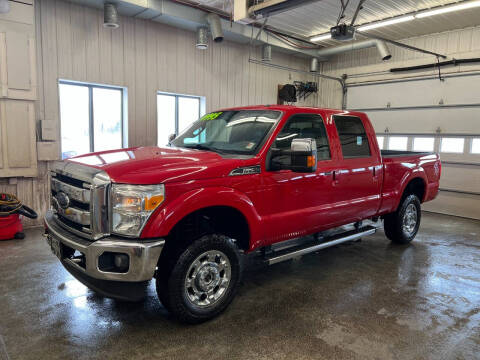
[(393, 153), (398, 167)]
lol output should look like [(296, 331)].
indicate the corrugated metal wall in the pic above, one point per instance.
[(145, 57)]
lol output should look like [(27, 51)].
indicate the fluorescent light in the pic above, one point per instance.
[(321, 37), (446, 9), (385, 23)]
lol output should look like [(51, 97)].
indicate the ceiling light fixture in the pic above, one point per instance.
[(202, 38), (448, 8), (110, 16), (385, 23), (267, 52)]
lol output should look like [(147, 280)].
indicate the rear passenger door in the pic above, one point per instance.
[(358, 177)]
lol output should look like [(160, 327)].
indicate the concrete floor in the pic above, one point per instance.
[(364, 300)]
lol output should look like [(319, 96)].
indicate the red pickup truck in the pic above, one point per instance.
[(237, 180)]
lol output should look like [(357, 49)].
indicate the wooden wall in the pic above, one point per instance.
[(145, 57)]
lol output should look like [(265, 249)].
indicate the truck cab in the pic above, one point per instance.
[(236, 181)]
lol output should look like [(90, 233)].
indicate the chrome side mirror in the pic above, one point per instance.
[(171, 137), (304, 155)]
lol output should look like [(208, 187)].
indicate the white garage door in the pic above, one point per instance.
[(429, 114)]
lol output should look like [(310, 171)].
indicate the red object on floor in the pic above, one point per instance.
[(10, 227)]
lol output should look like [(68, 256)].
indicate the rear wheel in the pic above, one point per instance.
[(203, 281), (402, 226), (19, 236)]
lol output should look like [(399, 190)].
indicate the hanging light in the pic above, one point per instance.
[(110, 16), (202, 38), (266, 52), (448, 8), (314, 65), (4, 6)]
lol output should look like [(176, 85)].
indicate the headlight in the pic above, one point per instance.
[(132, 205)]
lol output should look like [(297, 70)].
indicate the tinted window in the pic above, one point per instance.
[(353, 137), (305, 126)]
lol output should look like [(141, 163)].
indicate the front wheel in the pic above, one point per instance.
[(204, 279), (402, 226)]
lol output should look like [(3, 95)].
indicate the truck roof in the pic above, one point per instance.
[(289, 108)]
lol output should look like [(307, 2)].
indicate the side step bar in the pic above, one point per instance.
[(332, 241)]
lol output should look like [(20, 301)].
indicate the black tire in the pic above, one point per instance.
[(394, 222), (172, 288), (19, 236)]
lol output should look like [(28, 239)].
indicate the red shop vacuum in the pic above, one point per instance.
[(11, 210)]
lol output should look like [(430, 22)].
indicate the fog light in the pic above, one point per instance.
[(121, 262), (113, 262)]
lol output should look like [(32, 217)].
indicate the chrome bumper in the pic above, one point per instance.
[(143, 256)]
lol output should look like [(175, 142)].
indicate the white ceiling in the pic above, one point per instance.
[(317, 18)]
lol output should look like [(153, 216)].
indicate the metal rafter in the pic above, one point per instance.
[(359, 7), (342, 10)]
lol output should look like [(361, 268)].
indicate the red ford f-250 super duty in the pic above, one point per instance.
[(237, 180)]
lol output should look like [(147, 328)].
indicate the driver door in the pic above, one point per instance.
[(298, 203)]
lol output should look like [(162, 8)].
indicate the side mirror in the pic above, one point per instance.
[(304, 155), (171, 137)]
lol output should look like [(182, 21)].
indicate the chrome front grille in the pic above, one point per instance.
[(79, 196)]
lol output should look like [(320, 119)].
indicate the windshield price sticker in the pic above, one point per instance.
[(211, 116)]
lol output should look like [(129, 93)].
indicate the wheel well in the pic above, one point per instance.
[(220, 219), (415, 186)]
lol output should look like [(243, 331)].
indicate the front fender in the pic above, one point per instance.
[(164, 219)]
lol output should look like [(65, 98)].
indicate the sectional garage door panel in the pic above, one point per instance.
[(435, 108), (459, 120), (461, 177), (453, 90)]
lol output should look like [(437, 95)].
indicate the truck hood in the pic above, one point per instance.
[(155, 165)]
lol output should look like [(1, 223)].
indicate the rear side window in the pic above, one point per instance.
[(353, 137)]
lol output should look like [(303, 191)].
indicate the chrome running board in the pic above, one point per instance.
[(328, 242)]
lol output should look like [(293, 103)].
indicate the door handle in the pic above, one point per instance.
[(376, 174), (335, 176)]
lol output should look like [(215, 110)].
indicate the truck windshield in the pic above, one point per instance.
[(234, 132)]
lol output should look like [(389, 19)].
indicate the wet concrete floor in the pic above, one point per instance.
[(362, 300)]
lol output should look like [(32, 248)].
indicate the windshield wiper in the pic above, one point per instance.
[(203, 147)]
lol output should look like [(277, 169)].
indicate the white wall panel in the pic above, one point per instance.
[(18, 61)]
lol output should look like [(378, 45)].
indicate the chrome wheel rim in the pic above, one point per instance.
[(410, 219), (208, 278)]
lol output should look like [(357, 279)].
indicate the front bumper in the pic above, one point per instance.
[(143, 255)]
